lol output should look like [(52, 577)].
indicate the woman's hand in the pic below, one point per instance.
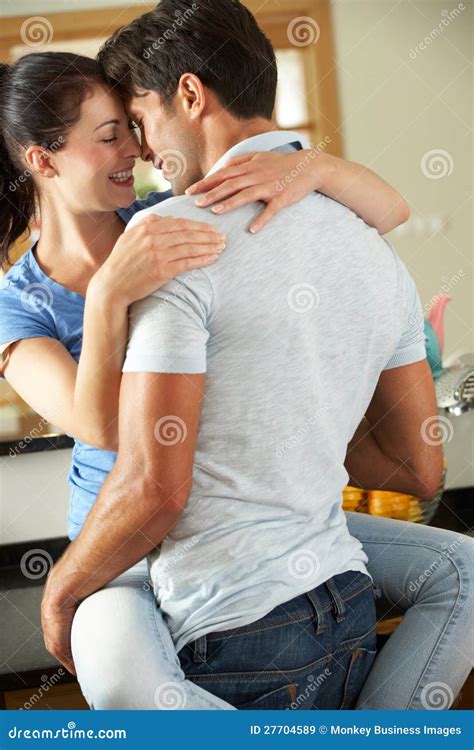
[(279, 179), (154, 251)]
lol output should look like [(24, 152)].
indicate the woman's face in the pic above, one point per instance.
[(94, 166)]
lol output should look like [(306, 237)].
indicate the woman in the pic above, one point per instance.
[(66, 144)]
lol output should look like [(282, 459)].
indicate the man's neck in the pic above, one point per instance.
[(226, 131)]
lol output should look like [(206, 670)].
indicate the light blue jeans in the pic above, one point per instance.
[(125, 657)]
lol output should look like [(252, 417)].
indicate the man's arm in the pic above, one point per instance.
[(140, 502), (393, 447)]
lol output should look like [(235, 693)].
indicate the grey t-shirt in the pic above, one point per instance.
[(293, 327)]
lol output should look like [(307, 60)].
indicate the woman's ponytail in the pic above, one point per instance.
[(17, 196)]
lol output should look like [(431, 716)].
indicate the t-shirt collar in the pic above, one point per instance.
[(261, 142)]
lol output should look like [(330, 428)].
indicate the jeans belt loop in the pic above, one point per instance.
[(200, 649), (338, 605), (318, 610)]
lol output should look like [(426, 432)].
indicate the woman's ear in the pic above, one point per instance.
[(191, 94), (38, 161)]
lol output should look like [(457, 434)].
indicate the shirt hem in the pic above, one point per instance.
[(408, 356)]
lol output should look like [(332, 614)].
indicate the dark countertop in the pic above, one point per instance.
[(34, 445)]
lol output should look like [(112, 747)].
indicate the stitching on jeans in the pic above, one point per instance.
[(263, 675), (224, 635), (257, 676), (354, 641), (345, 697)]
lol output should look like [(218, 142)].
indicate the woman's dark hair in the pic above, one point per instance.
[(218, 40), (40, 100)]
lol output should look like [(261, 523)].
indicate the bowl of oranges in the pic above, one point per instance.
[(393, 504)]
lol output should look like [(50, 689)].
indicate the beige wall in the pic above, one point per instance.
[(399, 102)]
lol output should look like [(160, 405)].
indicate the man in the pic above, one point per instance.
[(243, 386)]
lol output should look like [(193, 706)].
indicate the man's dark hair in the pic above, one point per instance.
[(217, 40)]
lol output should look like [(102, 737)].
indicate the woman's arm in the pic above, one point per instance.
[(280, 179), (364, 192), (82, 399)]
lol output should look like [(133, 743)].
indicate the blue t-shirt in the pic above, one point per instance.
[(33, 305)]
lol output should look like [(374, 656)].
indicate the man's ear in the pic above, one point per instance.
[(38, 161), (191, 95)]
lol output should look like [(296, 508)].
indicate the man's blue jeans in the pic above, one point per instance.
[(313, 652)]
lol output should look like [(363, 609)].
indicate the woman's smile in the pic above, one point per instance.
[(123, 178)]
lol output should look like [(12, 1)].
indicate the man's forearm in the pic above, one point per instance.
[(370, 468), (119, 531)]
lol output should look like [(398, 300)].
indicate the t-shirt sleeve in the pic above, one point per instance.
[(168, 331), (20, 320), (411, 346)]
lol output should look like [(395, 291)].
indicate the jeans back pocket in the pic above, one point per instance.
[(281, 699), (359, 668)]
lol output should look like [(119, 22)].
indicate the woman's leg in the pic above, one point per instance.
[(424, 573), (124, 654)]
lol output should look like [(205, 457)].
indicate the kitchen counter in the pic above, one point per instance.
[(35, 445)]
